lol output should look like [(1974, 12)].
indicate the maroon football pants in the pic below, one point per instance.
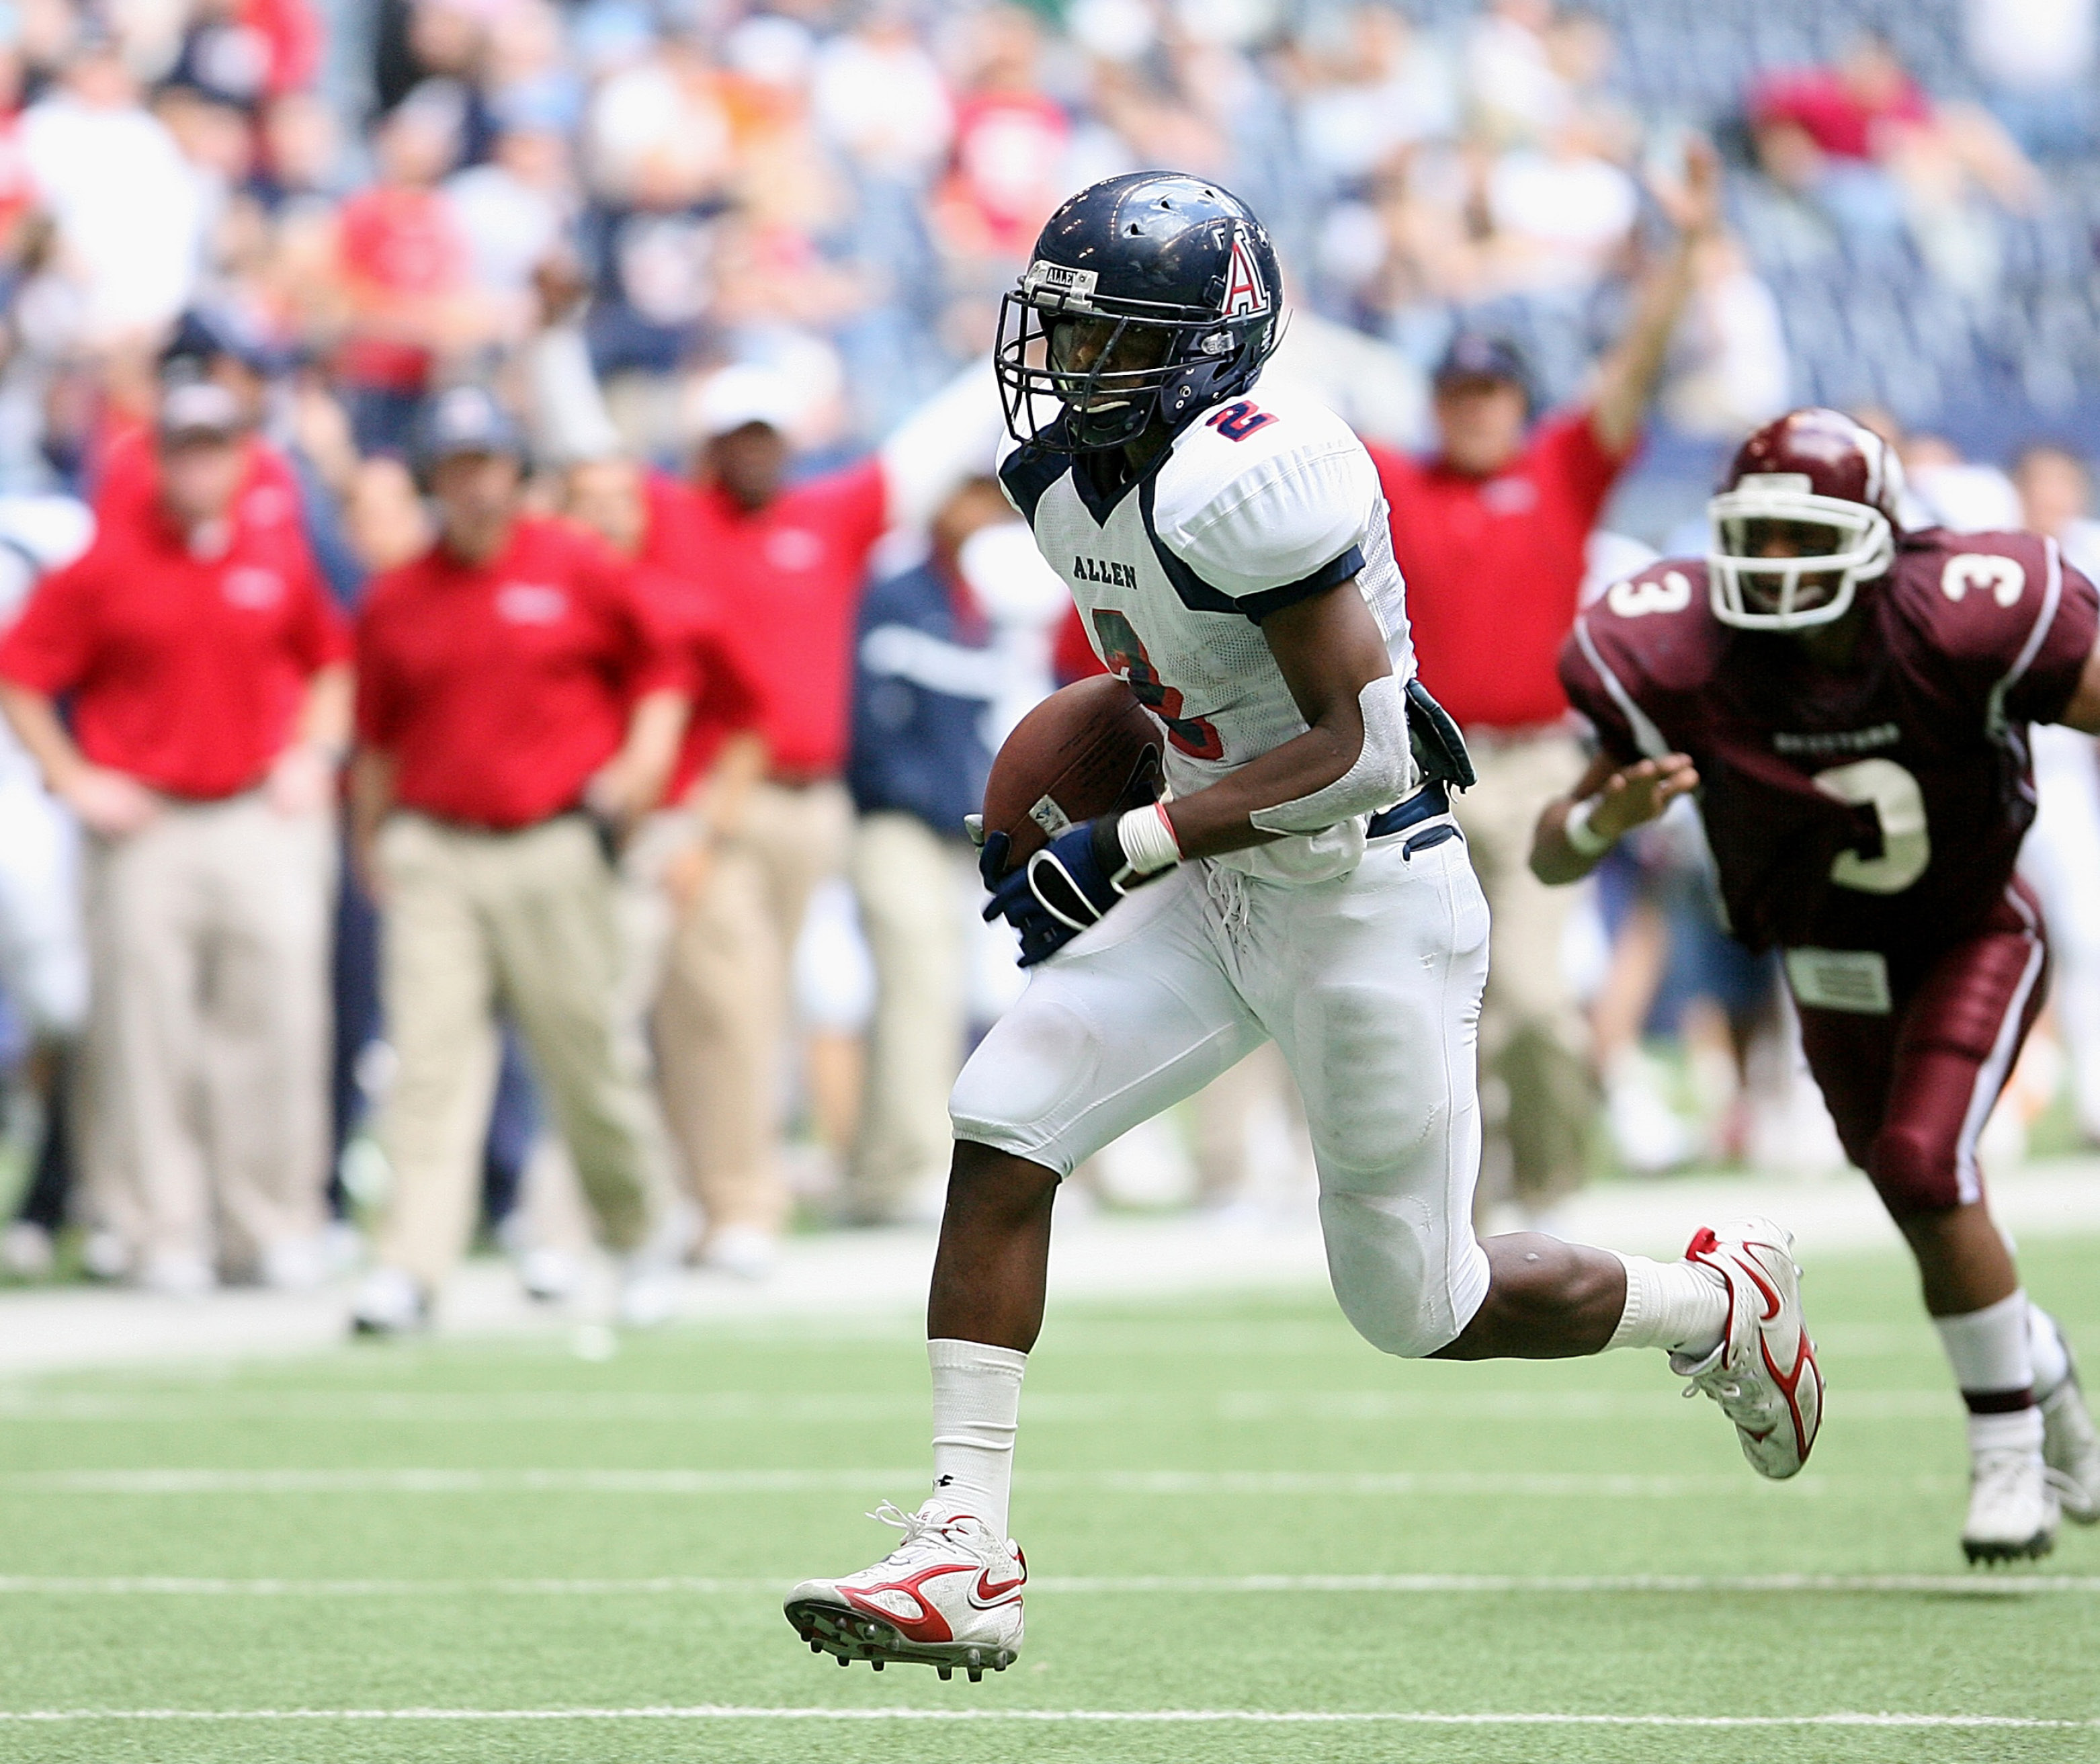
[(1910, 1090)]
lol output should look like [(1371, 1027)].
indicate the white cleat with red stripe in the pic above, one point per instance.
[(1764, 1373), (949, 1595)]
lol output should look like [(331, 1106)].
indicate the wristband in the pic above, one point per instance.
[(1147, 838), (1583, 838)]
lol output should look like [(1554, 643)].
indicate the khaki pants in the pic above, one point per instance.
[(528, 920), (204, 1080), (1538, 1090), (911, 885), (722, 1018)]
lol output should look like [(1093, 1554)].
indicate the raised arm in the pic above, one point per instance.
[(1627, 379), (950, 438), (569, 421)]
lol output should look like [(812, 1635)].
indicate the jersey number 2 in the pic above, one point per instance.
[(1899, 804), (1195, 736), (1238, 421)]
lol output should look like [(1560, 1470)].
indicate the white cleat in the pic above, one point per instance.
[(949, 1595), (549, 1276), (26, 1251), (1764, 1373), (650, 1293), (2012, 1506), (2070, 1449), (388, 1302), (294, 1264), (744, 1251), (177, 1274)]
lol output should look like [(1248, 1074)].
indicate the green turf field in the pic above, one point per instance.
[(508, 1528)]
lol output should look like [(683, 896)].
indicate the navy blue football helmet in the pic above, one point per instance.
[(1154, 293)]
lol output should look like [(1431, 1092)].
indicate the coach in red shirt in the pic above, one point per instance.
[(1490, 533), (207, 681), (783, 562), (671, 860), (518, 708)]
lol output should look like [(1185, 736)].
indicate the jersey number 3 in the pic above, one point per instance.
[(1195, 736), (1899, 804)]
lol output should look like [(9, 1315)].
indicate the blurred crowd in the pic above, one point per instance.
[(290, 289)]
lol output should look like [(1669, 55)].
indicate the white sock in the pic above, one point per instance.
[(2017, 1430), (2052, 1359), (1678, 1306), (976, 1410), (1988, 1349)]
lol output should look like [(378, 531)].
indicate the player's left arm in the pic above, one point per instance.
[(2083, 711), (1333, 657), (1353, 757)]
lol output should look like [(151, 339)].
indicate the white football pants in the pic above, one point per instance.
[(1370, 986), (2060, 859)]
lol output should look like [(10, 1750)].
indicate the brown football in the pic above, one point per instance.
[(1082, 751)]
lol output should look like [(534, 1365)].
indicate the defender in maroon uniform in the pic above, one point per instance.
[(1851, 702)]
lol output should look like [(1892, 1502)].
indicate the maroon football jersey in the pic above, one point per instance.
[(1877, 808)]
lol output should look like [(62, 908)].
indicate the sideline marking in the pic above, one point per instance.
[(1983, 1587), (1052, 1408), (1161, 1482), (1246, 1717)]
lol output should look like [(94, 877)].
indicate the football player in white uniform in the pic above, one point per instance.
[(1303, 881)]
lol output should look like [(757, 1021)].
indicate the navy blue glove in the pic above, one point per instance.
[(1060, 891)]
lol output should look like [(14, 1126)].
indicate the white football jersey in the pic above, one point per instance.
[(1258, 503)]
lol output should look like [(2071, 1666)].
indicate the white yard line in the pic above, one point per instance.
[(707, 1712), (1981, 1586), (1250, 1407), (1166, 1482)]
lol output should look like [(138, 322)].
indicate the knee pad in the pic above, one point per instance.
[(1393, 1277), (1392, 1332)]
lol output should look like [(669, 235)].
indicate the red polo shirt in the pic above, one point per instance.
[(788, 579), (501, 687), (725, 702), (187, 672), (1494, 565), (399, 244)]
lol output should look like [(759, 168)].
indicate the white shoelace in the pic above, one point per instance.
[(1737, 1400), (2001, 1475), (925, 1533)]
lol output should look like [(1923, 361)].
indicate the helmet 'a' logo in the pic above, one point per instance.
[(1246, 292)]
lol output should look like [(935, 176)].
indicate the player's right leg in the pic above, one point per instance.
[(1129, 1018), (1371, 984), (1910, 1092)]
